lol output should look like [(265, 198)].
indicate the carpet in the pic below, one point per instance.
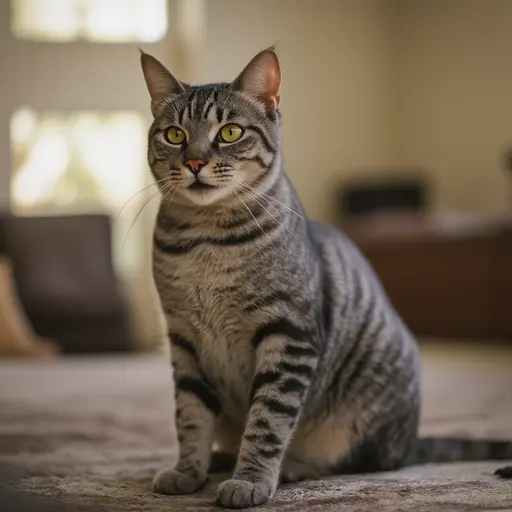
[(88, 434)]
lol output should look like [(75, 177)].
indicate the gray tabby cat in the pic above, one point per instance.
[(286, 351)]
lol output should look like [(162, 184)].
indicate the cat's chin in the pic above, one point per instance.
[(203, 196)]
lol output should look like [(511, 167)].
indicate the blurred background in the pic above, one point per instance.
[(398, 123)]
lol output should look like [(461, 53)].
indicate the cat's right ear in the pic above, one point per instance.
[(161, 84), (261, 78)]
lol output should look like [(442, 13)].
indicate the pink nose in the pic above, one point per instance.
[(195, 165)]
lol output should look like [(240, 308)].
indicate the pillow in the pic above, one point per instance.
[(17, 338)]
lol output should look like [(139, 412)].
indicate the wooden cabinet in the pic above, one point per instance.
[(445, 278)]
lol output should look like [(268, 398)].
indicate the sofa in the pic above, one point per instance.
[(66, 281)]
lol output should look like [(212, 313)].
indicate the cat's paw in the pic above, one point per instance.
[(243, 493), (295, 471), (170, 481)]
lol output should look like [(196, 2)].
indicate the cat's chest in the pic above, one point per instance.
[(226, 355), (207, 299), (228, 362)]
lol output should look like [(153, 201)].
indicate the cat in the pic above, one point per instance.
[(286, 351)]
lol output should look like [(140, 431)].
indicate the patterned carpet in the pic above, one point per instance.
[(88, 434)]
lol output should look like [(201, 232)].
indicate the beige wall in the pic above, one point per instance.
[(456, 98), (338, 81), (367, 83)]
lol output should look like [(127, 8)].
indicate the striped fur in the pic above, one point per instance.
[(286, 350)]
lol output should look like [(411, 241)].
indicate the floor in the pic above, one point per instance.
[(88, 434)]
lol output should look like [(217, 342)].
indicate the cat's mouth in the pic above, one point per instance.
[(199, 185)]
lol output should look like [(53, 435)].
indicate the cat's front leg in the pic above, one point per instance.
[(197, 405), (285, 361)]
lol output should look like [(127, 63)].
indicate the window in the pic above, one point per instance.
[(83, 162), (92, 20)]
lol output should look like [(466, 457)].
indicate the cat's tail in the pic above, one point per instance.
[(455, 449)]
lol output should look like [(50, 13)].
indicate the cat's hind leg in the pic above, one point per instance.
[(293, 470)]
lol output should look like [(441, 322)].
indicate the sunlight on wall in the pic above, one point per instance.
[(92, 20), (82, 162)]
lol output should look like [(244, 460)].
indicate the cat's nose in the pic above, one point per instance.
[(195, 165)]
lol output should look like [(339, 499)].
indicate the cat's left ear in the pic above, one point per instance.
[(160, 81), (261, 78)]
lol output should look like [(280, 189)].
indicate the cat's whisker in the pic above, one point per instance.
[(172, 195), (252, 215), (165, 189), (154, 184), (279, 222), (269, 197), (269, 204)]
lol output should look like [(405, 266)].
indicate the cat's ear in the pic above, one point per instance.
[(159, 80), (261, 78)]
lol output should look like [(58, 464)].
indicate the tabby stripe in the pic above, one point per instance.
[(263, 136), (251, 465), (202, 391), (180, 341), (268, 300), (168, 223), (359, 365), (271, 438), (219, 113), (357, 289), (275, 406), (294, 351), (327, 305), (382, 366), (256, 159), (292, 385), (367, 319), (243, 220), (169, 248), (190, 103), (262, 379), (298, 369), (262, 423), (251, 236), (279, 326), (209, 107), (269, 452)]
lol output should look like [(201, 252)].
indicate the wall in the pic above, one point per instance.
[(456, 98), (338, 63)]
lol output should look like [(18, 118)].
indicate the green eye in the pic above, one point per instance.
[(175, 135), (230, 133)]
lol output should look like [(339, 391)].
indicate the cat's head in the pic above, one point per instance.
[(217, 141)]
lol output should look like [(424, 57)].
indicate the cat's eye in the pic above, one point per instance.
[(230, 133), (175, 135)]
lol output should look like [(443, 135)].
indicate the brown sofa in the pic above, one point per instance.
[(66, 281)]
